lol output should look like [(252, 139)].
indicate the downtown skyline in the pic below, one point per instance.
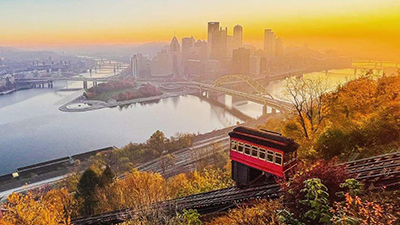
[(351, 27)]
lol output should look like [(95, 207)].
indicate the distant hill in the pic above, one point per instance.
[(14, 54), (109, 51), (8, 49)]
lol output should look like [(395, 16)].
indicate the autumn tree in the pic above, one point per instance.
[(306, 95), (199, 181), (54, 208), (86, 191), (262, 212), (106, 177), (137, 189), (330, 174), (166, 162), (156, 143)]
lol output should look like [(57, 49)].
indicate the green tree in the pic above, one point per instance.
[(352, 186), (86, 191), (107, 177), (288, 218), (317, 199), (190, 217), (156, 143)]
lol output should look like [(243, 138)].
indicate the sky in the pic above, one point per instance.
[(369, 28)]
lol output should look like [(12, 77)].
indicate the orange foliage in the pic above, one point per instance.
[(138, 189), (50, 209), (262, 213), (197, 182), (361, 212)]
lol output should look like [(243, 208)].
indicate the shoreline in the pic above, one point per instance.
[(8, 91), (53, 171), (90, 105)]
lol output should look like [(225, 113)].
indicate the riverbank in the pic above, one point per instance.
[(7, 92), (81, 104), (43, 175), (45, 170)]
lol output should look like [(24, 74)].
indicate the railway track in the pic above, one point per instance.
[(379, 171)]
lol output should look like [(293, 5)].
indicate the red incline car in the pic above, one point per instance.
[(258, 155)]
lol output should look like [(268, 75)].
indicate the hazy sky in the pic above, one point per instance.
[(362, 26)]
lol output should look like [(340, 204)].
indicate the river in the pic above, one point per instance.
[(32, 129)]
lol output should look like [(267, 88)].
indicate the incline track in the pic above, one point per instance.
[(377, 172)]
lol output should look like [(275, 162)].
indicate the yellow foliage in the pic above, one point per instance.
[(47, 210), (197, 182), (262, 213), (138, 189)]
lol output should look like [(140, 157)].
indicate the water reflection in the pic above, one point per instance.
[(32, 129)]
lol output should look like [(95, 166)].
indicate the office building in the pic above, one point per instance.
[(278, 47), (241, 61), (213, 28), (176, 54), (237, 37), (269, 43), (162, 64), (134, 67), (187, 44)]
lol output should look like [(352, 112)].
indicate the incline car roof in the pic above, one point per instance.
[(269, 138)]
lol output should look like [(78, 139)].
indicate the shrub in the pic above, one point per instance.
[(263, 212), (356, 211), (328, 172)]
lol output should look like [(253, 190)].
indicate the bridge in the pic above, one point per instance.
[(263, 99), (260, 95), (117, 67), (42, 81)]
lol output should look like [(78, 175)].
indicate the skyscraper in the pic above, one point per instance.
[(222, 44), (241, 61), (278, 47), (175, 51), (162, 64), (217, 41), (187, 44), (175, 46), (269, 42), (213, 29), (230, 46), (134, 66), (237, 37)]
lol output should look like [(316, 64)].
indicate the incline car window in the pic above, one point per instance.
[(278, 158), (234, 145), (262, 154), (254, 151), (247, 149), (240, 147), (270, 156)]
